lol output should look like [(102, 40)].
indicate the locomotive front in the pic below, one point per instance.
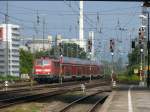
[(42, 69)]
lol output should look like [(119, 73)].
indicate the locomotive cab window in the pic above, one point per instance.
[(39, 62), (45, 62)]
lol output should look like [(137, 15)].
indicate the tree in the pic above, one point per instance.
[(26, 61), (67, 49), (73, 50), (134, 57), (134, 60)]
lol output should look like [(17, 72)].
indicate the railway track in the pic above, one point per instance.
[(69, 107), (99, 102), (45, 93), (36, 87), (18, 84), (21, 92)]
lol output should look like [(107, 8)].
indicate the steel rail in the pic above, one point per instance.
[(31, 97), (45, 85), (22, 89), (80, 99), (22, 99), (101, 100)]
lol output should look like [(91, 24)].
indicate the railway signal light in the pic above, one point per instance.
[(89, 45), (60, 46), (148, 44), (133, 44), (38, 19), (141, 34), (112, 45)]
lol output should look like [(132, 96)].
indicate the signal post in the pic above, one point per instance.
[(112, 46), (60, 72), (141, 45), (89, 49)]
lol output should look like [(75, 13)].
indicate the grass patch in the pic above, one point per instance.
[(9, 78), (127, 78), (27, 107)]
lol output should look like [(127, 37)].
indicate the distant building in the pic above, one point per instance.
[(9, 49), (35, 45), (38, 44), (76, 41), (66, 40)]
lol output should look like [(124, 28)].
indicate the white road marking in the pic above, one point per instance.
[(130, 109)]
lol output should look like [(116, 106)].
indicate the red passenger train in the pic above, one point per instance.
[(50, 69)]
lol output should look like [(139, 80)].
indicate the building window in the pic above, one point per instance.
[(15, 34)]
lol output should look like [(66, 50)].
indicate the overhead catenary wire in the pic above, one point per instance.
[(33, 10), (87, 14), (57, 11), (76, 12), (22, 20)]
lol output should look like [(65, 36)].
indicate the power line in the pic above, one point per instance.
[(108, 14), (34, 10), (17, 18), (86, 19)]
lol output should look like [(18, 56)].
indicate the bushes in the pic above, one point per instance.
[(128, 78), (9, 78)]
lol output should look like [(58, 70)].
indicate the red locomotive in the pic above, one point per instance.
[(49, 69)]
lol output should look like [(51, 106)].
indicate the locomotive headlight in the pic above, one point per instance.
[(47, 70), (38, 70)]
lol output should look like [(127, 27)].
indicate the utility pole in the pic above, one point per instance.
[(7, 51), (90, 69), (43, 32), (148, 46), (60, 72), (112, 46), (33, 42), (81, 33), (112, 62), (147, 4), (141, 45)]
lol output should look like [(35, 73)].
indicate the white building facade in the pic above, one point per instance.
[(35, 45), (9, 49)]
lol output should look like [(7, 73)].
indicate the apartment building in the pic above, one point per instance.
[(9, 49)]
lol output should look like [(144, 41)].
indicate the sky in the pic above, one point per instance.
[(61, 17)]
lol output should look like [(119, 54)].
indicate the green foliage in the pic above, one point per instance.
[(118, 65), (134, 57), (134, 60), (127, 78), (130, 69), (68, 49), (9, 78), (73, 50), (26, 62), (107, 67)]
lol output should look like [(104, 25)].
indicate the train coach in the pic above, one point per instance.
[(48, 69)]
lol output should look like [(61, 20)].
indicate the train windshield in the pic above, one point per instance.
[(42, 62), (45, 62), (39, 62)]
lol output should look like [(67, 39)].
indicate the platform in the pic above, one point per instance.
[(127, 98)]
